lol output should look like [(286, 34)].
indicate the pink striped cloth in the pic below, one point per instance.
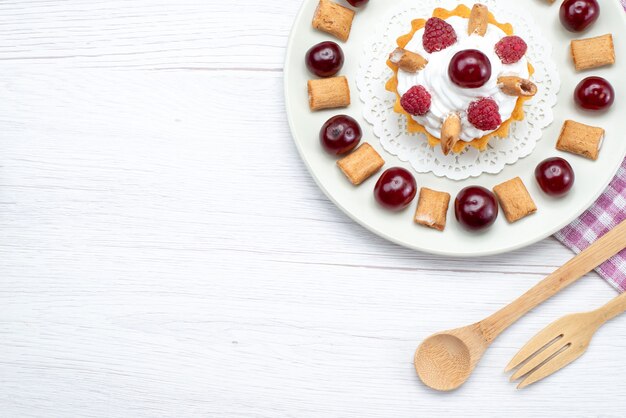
[(602, 216)]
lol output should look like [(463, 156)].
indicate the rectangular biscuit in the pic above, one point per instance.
[(581, 139), (514, 199), (361, 164), (328, 93), (334, 19), (593, 52), (432, 209)]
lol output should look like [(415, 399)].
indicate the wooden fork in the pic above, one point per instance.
[(561, 342)]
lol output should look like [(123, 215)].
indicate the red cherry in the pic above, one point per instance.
[(395, 189), (358, 3), (475, 208), (340, 134), (469, 69), (578, 15), (555, 176), (594, 93), (324, 59)]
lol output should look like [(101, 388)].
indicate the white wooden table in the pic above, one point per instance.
[(164, 252)]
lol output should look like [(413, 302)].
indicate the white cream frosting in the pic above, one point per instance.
[(447, 97)]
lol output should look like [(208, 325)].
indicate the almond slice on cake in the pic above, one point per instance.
[(478, 20)]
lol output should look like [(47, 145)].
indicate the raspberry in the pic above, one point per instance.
[(438, 35), (484, 114), (511, 49), (416, 101)]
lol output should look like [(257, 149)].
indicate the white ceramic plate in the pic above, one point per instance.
[(592, 177)]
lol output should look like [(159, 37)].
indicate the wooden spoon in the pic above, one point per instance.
[(445, 360)]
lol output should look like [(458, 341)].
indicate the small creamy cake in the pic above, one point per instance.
[(461, 77)]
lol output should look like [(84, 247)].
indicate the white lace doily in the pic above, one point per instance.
[(390, 127)]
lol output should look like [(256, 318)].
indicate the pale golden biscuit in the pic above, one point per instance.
[(407, 61), (329, 93), (593, 52), (514, 199), (478, 20), (432, 209), (580, 139), (361, 164), (334, 19)]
